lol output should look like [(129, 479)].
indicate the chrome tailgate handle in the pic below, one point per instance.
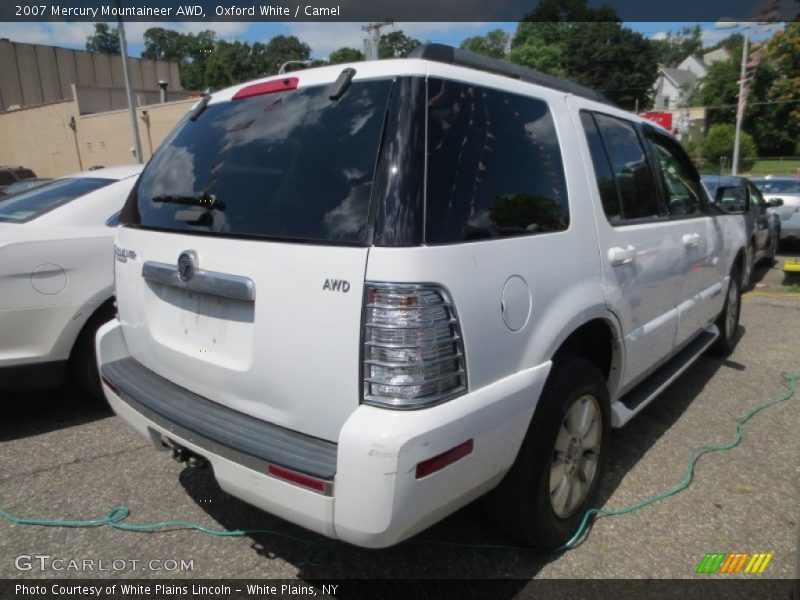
[(235, 287)]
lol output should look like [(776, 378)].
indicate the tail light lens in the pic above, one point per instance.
[(412, 347)]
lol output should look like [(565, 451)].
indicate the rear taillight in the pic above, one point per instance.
[(412, 347)]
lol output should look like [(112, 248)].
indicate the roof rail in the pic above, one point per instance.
[(455, 56)]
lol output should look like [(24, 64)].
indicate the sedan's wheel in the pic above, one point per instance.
[(728, 320), (83, 362), (554, 479)]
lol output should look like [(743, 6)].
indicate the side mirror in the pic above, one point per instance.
[(775, 202), (733, 200)]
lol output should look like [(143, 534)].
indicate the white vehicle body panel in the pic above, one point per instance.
[(290, 357), (56, 270), (789, 214)]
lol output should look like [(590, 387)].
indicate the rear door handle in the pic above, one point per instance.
[(690, 239), (621, 256)]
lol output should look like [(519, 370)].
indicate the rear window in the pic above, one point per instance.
[(778, 186), (494, 165), (291, 165), (28, 205)]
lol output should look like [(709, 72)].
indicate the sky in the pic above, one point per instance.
[(323, 37)]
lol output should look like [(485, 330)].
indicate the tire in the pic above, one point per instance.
[(522, 506), (747, 268), (728, 320), (772, 250), (83, 361)]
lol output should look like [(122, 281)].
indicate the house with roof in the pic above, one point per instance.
[(674, 86)]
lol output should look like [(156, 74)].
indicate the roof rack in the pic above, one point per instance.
[(455, 56)]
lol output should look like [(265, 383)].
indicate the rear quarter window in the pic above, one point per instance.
[(494, 165)]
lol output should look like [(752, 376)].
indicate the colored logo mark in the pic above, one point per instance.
[(736, 562)]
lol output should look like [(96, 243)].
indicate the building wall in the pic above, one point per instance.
[(42, 139), (106, 138), (33, 74), (96, 99), (668, 96)]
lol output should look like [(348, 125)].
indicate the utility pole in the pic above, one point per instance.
[(123, 47), (740, 107), (371, 43)]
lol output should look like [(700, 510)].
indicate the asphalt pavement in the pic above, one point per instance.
[(63, 457)]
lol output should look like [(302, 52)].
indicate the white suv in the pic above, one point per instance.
[(369, 295)]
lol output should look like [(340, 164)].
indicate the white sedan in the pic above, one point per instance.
[(56, 277)]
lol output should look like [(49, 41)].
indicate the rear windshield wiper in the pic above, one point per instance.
[(203, 200)]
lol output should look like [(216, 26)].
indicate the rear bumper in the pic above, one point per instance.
[(374, 498)]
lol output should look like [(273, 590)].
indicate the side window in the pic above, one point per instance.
[(634, 179), (602, 170), (682, 185), (734, 198), (494, 165)]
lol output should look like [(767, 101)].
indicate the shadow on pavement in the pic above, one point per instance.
[(33, 413)]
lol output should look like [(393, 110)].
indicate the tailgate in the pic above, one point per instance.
[(277, 339)]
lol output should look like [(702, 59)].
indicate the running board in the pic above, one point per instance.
[(627, 407)]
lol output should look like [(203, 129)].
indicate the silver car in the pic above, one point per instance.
[(787, 189)]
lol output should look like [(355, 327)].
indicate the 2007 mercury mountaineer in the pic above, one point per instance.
[(371, 294)]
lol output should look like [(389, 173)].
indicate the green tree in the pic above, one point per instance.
[(230, 63), (165, 44), (718, 144), (592, 48), (281, 49), (719, 90), (614, 60), (345, 55), (674, 47), (538, 54), (494, 44), (104, 39), (189, 50), (773, 126), (396, 45), (567, 38), (783, 54)]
